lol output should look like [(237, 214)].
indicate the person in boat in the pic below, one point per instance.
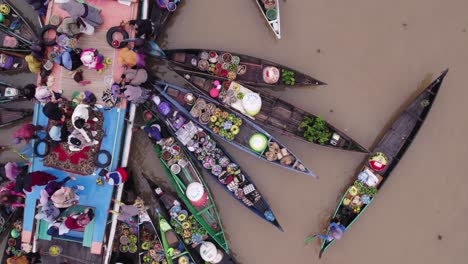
[(80, 118), (127, 211), (26, 132), (64, 197), (76, 220), (12, 169), (335, 232), (77, 142), (35, 178), (53, 111), (57, 228), (10, 198), (29, 258), (155, 132)]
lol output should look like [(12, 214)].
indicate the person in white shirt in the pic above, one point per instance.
[(80, 118)]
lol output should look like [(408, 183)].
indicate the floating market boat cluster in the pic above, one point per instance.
[(90, 60)]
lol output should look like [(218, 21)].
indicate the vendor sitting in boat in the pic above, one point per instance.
[(335, 232)]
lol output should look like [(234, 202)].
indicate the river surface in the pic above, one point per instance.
[(375, 56)]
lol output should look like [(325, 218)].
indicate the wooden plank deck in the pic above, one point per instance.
[(72, 252), (97, 85)]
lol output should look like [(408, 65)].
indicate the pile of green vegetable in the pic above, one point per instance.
[(315, 130), (287, 77), (364, 189)]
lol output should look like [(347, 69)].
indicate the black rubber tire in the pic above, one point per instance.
[(45, 29), (36, 148), (110, 34), (98, 163)]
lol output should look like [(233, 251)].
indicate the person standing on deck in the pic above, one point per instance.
[(59, 133), (9, 198), (64, 197), (80, 117), (335, 232)]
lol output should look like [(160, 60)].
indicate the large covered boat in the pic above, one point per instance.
[(88, 165)]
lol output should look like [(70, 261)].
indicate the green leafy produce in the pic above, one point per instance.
[(287, 77), (371, 191), (315, 130)]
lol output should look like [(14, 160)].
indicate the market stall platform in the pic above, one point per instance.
[(94, 195)]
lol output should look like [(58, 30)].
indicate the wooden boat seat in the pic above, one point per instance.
[(253, 73)]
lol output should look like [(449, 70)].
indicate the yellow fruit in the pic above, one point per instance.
[(353, 190)]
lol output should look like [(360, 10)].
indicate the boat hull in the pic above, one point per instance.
[(387, 153), (277, 114), (254, 67)]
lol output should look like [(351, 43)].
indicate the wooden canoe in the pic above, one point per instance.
[(273, 22), (10, 115), (381, 162), (149, 239), (254, 201), (246, 131), (206, 215), (160, 17), (249, 69), (276, 113)]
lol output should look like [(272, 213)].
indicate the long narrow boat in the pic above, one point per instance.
[(12, 62), (274, 113), (160, 16), (271, 12), (381, 162), (171, 243), (15, 24), (150, 245), (94, 243), (231, 127), (231, 177), (10, 115), (241, 68), (187, 228), (188, 182)]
